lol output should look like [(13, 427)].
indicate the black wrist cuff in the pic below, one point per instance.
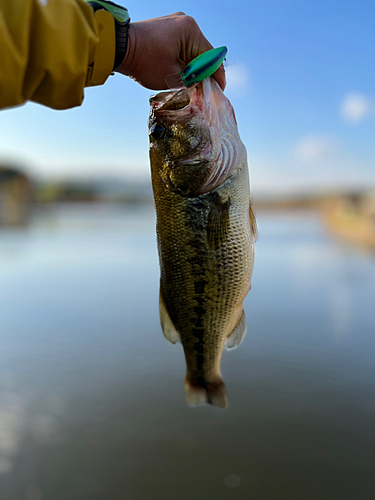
[(122, 36), (122, 33)]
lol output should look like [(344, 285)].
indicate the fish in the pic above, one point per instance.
[(206, 230)]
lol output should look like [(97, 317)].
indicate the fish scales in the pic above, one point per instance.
[(205, 244)]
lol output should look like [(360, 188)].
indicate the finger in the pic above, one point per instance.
[(197, 49), (193, 41), (219, 76), (169, 16), (204, 45)]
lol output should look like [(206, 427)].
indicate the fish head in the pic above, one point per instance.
[(194, 141)]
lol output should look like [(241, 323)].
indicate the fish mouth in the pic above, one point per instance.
[(170, 101), (192, 98)]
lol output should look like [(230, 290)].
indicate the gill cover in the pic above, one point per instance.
[(194, 132)]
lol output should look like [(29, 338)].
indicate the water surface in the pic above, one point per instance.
[(91, 394)]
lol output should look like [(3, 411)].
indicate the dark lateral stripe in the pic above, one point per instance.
[(200, 300), (197, 332), (200, 362), (199, 311), (199, 349), (199, 286)]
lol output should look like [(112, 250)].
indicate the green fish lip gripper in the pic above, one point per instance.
[(198, 69)]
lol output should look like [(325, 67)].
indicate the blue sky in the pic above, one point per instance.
[(301, 78)]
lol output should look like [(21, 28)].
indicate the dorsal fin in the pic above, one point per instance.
[(253, 222), (235, 338), (169, 330)]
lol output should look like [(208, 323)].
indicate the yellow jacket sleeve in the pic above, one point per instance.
[(51, 49)]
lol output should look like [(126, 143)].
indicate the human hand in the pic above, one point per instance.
[(162, 46)]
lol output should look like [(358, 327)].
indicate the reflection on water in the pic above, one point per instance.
[(91, 400)]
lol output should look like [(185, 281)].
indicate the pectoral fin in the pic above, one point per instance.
[(218, 221), (169, 330), (235, 338)]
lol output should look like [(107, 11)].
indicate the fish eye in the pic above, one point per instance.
[(157, 131)]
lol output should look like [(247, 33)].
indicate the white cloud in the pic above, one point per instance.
[(315, 148), (238, 77), (356, 107)]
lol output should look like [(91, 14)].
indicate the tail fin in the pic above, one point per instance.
[(213, 393)]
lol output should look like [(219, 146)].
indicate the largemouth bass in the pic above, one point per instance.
[(206, 229)]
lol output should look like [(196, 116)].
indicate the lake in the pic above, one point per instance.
[(92, 403)]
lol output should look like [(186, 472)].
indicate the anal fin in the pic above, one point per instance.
[(235, 338), (169, 330)]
